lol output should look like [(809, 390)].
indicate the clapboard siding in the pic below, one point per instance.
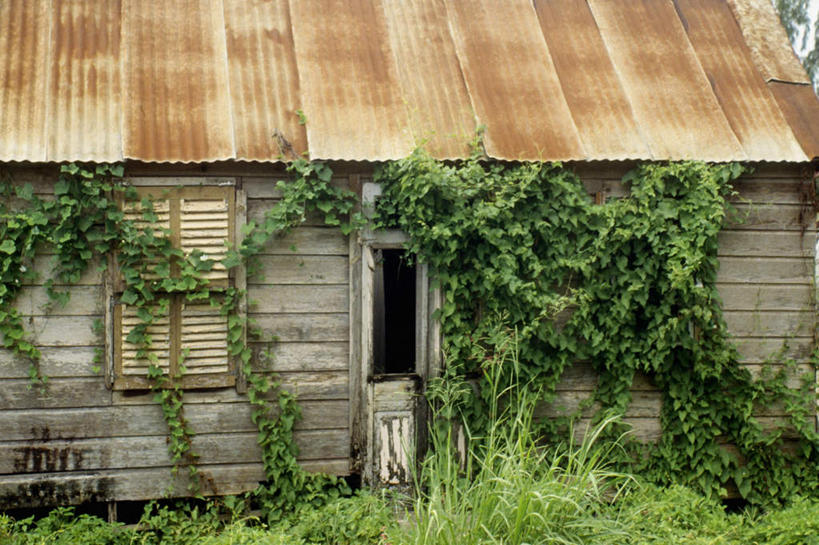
[(33, 489), (152, 451), (302, 269), (766, 283), (146, 420), (77, 440)]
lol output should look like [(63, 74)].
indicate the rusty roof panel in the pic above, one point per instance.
[(432, 85), (801, 108), (748, 104), (264, 80), (176, 103), (770, 48), (512, 81), (209, 80), (84, 88), (350, 91), (24, 54), (595, 96), (671, 97)]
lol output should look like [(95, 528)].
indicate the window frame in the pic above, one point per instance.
[(177, 188)]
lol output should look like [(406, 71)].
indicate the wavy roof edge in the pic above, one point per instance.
[(173, 82)]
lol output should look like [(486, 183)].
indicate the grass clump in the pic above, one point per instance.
[(509, 489)]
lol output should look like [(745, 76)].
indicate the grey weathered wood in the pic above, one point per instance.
[(72, 361), (779, 217), (644, 404), (44, 265), (642, 429), (264, 187), (358, 408), (326, 356), (60, 392), (769, 270), (92, 392), (330, 298), (773, 349), (84, 300), (770, 323), (769, 190), (320, 385), (27, 490), (581, 377), (766, 297), (64, 330), (152, 451), (136, 420), (309, 241), (765, 243), (257, 208), (298, 269), (173, 181), (308, 327), (240, 282)]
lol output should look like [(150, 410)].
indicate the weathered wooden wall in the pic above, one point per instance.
[(79, 441), (766, 280)]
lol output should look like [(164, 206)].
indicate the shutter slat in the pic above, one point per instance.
[(159, 332), (204, 337), (205, 226)]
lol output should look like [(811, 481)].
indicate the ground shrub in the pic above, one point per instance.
[(357, 520), (62, 527)]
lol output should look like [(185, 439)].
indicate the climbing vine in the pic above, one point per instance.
[(627, 285), (86, 222)]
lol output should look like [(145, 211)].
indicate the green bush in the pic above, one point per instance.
[(357, 520), (62, 527)]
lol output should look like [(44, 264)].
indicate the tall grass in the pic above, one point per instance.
[(508, 489)]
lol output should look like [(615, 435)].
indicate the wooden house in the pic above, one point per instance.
[(200, 96)]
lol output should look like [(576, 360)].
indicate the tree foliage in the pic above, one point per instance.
[(797, 17)]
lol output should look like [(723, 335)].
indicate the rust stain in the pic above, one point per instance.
[(666, 85), (598, 103), (347, 74), (176, 103), (748, 104), (512, 81), (84, 91), (768, 41), (264, 79), (432, 85), (801, 108), (212, 80), (24, 54)]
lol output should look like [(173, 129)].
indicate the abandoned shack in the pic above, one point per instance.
[(201, 99)]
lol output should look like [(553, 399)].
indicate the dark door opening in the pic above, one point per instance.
[(394, 313)]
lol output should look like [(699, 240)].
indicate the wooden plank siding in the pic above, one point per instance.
[(78, 440), (766, 282)]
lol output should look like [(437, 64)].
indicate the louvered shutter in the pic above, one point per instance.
[(205, 224), (132, 360), (203, 342), (193, 334)]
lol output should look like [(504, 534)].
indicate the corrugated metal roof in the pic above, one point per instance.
[(210, 80), (176, 105), (746, 101), (590, 83), (349, 81), (264, 80), (84, 87)]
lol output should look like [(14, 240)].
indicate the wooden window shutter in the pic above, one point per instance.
[(190, 343), (132, 360), (205, 223)]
